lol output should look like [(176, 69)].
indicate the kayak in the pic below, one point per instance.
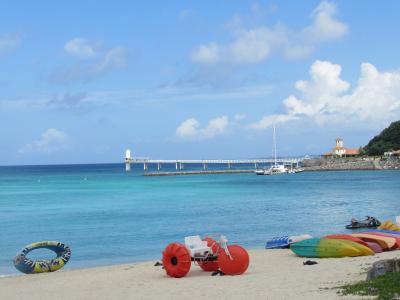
[(385, 242), (395, 236), (374, 247), (325, 248), (383, 231), (346, 237)]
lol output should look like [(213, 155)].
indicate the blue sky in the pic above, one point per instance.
[(82, 81)]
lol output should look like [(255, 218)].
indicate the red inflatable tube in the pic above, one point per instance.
[(210, 266), (239, 262), (176, 260)]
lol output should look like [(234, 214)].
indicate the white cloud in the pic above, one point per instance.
[(191, 128), (327, 98), (239, 117), (9, 42), (325, 27), (255, 45), (81, 47), (268, 121), (52, 140), (94, 62)]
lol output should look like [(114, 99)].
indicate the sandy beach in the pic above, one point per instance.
[(273, 274)]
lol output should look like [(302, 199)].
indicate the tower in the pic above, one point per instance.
[(339, 143)]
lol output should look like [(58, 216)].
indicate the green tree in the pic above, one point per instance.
[(388, 139)]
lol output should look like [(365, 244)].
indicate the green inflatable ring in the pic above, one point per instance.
[(27, 266)]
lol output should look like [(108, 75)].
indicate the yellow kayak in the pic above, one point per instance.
[(385, 242), (329, 248)]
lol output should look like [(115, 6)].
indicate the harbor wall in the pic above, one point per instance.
[(347, 163)]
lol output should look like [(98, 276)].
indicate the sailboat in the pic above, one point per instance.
[(275, 168)]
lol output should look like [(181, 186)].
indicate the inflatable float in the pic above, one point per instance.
[(209, 254), (28, 266)]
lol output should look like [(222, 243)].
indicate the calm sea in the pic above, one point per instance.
[(108, 216)]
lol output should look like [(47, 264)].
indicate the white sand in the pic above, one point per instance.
[(273, 274)]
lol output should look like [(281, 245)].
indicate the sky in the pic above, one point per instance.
[(81, 81)]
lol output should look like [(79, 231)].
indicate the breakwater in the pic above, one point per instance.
[(346, 164)]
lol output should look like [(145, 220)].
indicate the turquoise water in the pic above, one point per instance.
[(108, 216)]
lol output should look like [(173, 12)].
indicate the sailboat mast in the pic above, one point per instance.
[(274, 142)]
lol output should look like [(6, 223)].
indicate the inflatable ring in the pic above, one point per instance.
[(176, 260), (27, 266)]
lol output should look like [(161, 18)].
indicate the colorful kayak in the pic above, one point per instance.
[(329, 248), (374, 247), (346, 237), (385, 242), (383, 231), (395, 236)]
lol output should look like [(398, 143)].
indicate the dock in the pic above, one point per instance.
[(226, 165), (197, 172)]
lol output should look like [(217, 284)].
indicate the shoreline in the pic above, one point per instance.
[(272, 274)]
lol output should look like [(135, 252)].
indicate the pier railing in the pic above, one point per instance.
[(179, 163)]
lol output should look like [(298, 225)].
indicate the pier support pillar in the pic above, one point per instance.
[(158, 166), (145, 166), (176, 165), (255, 165), (127, 167), (229, 165), (180, 166), (204, 166)]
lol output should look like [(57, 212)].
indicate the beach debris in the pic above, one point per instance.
[(210, 255), (23, 264), (218, 272), (372, 289), (157, 264), (309, 263), (382, 267)]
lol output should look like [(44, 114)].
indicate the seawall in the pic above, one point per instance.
[(345, 164)]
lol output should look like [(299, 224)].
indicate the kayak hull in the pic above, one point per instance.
[(325, 248), (346, 237), (385, 242)]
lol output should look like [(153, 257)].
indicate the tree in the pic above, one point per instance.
[(388, 139)]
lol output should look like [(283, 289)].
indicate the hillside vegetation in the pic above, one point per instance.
[(388, 139)]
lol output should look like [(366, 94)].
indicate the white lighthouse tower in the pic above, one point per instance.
[(128, 158)]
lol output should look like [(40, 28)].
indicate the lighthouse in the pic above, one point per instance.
[(128, 158)]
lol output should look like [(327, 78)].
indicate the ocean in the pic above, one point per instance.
[(108, 216)]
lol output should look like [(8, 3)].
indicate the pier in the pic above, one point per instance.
[(225, 165)]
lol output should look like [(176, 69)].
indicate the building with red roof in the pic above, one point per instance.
[(340, 151)]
